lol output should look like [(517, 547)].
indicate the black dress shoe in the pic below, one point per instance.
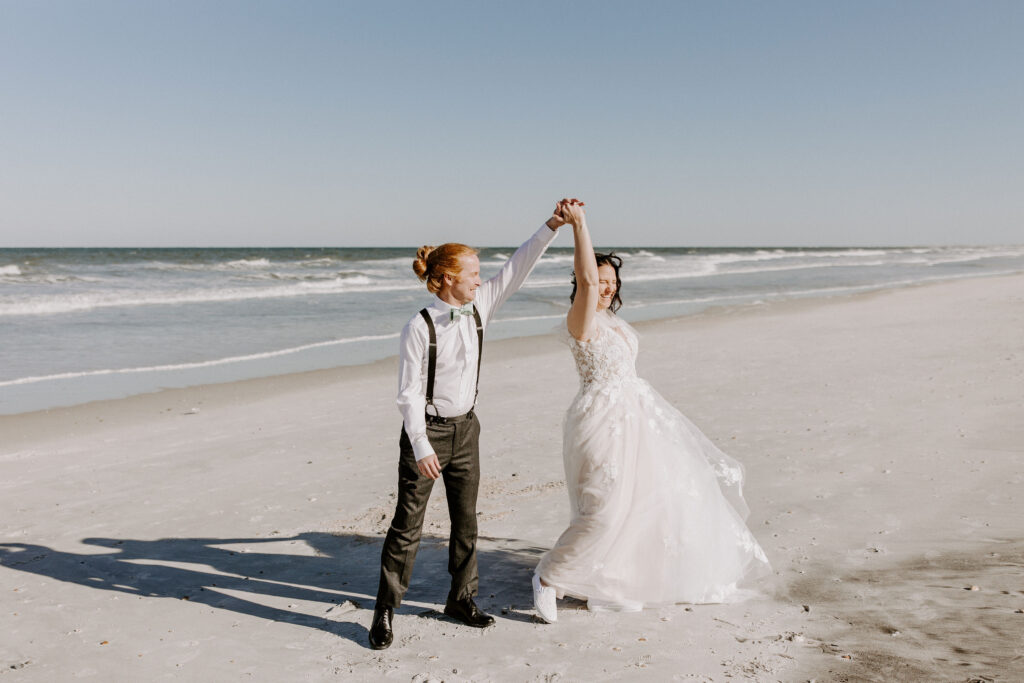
[(380, 630), (468, 613)]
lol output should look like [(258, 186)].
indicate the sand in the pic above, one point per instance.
[(232, 532)]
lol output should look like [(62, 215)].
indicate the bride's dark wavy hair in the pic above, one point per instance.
[(609, 259)]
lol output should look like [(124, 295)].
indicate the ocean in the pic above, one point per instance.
[(87, 324)]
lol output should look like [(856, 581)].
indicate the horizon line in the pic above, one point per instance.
[(553, 246)]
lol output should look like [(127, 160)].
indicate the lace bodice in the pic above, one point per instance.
[(609, 356)]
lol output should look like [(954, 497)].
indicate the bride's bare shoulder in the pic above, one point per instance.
[(587, 336)]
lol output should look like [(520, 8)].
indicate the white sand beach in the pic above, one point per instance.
[(232, 532)]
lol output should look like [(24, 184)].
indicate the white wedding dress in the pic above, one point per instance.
[(657, 509)]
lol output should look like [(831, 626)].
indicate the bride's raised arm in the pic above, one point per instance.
[(580, 320)]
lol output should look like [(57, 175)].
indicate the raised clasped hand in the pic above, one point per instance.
[(571, 211)]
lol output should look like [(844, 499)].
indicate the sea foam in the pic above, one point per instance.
[(199, 364), (73, 303)]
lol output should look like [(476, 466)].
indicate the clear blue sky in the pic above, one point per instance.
[(212, 123)]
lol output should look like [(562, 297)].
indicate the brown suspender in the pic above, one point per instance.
[(432, 355)]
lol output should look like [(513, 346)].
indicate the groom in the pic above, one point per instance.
[(438, 375)]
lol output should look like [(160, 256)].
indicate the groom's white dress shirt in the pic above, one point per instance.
[(455, 373)]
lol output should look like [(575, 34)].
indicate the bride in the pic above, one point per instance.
[(657, 509)]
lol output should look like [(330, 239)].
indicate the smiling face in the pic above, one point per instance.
[(606, 286), (460, 288)]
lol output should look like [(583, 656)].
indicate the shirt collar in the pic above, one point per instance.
[(439, 311), (441, 305), (444, 307), (442, 311)]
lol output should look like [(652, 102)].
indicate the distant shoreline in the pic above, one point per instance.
[(494, 343), (90, 324)]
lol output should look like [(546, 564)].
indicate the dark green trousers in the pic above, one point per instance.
[(457, 445)]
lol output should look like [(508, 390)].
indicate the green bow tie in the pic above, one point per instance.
[(467, 309)]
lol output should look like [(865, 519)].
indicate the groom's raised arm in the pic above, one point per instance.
[(493, 293)]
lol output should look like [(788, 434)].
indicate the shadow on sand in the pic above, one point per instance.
[(235, 574)]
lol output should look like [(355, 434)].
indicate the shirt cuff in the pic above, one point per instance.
[(421, 448), (546, 233)]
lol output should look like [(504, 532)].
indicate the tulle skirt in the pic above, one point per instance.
[(657, 511)]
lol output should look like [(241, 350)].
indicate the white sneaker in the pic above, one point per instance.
[(544, 601)]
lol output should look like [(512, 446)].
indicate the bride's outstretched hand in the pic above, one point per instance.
[(572, 211)]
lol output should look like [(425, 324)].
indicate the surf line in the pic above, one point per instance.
[(198, 364)]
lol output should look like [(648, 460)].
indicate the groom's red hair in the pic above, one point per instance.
[(433, 263)]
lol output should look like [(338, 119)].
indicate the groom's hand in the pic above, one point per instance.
[(560, 216), (429, 467), (556, 221)]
